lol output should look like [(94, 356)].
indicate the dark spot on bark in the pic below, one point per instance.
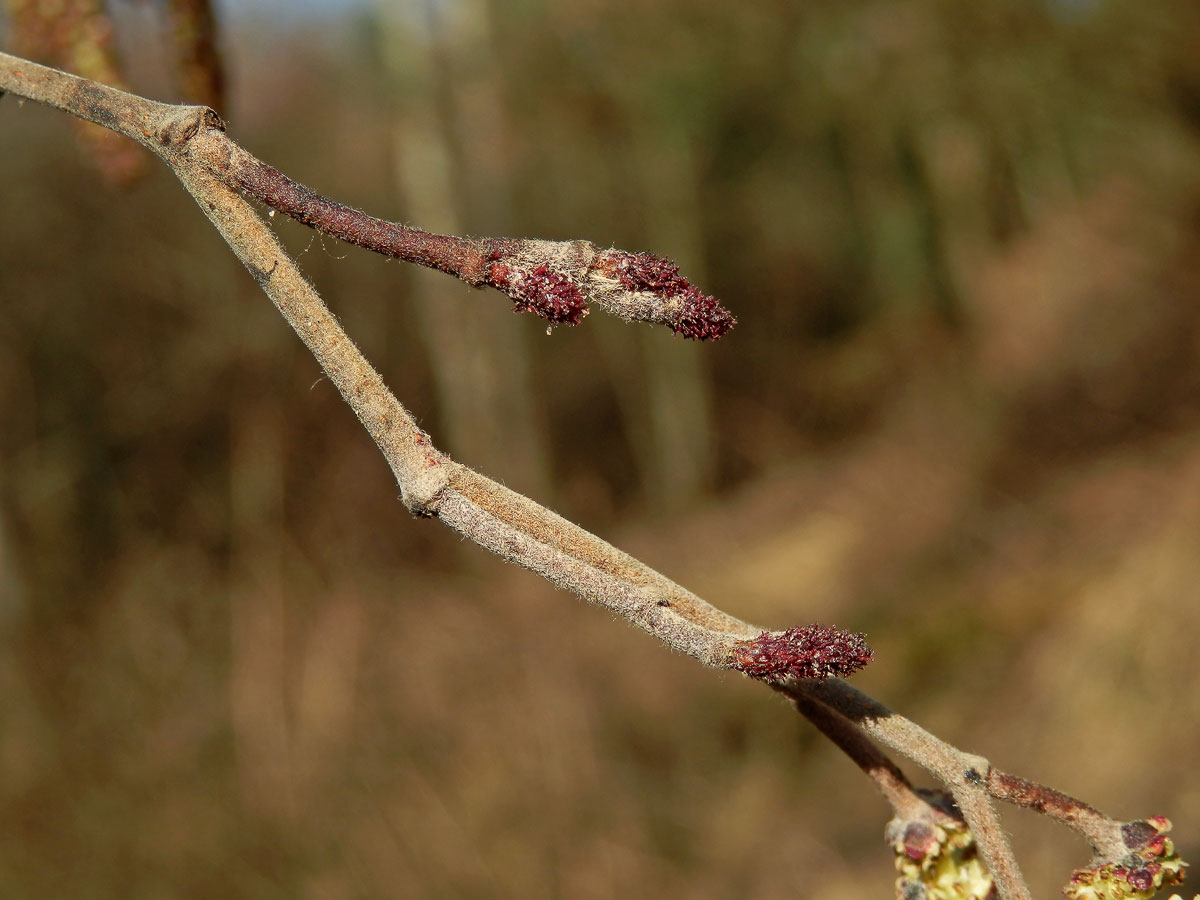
[(94, 101), (262, 276)]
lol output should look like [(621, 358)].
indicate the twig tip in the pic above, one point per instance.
[(650, 288)]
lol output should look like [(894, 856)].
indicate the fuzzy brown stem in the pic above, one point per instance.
[(142, 120), (1103, 833), (892, 783), (233, 165)]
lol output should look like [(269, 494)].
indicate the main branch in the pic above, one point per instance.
[(552, 279)]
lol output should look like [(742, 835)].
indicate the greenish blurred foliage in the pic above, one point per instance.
[(961, 411)]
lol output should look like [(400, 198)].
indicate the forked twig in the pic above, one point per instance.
[(553, 280)]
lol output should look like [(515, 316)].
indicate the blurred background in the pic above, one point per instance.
[(960, 412)]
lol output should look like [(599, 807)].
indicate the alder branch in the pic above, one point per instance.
[(802, 663), (1104, 834), (553, 279), (892, 783), (963, 774)]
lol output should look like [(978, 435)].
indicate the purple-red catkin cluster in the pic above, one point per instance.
[(811, 652), (699, 317), (549, 294)]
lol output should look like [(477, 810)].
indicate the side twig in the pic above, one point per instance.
[(553, 279)]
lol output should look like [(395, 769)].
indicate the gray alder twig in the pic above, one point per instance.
[(430, 483), (192, 142)]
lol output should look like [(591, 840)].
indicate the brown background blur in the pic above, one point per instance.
[(961, 412)]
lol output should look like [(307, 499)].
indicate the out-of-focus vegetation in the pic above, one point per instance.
[(961, 412)]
